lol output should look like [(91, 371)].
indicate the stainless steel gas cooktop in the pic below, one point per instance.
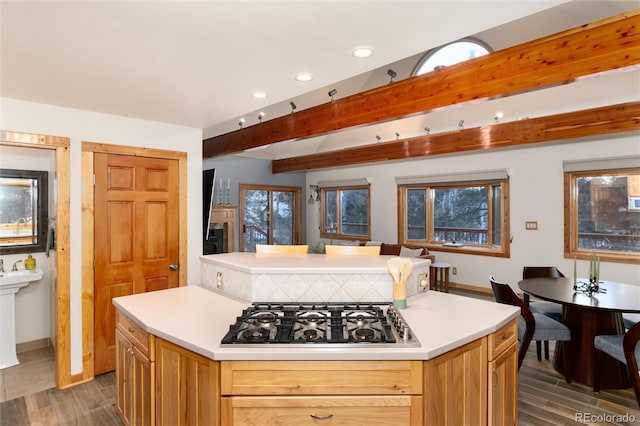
[(313, 324)]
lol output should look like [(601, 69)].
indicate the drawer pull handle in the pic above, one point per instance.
[(132, 330), (505, 336), (321, 417)]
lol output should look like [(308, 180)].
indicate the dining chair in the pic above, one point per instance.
[(352, 250), (550, 309), (623, 348), (531, 326), (282, 249), (630, 320)]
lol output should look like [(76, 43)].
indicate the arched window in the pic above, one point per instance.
[(450, 54)]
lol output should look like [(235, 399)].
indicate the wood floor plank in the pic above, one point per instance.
[(14, 413)]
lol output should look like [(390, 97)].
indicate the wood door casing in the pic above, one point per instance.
[(136, 237)]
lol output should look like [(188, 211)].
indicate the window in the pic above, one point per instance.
[(602, 213), (269, 215), (24, 213), (460, 213), (450, 54), (345, 212)]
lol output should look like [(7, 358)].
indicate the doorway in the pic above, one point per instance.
[(269, 215), (62, 344), (92, 229)]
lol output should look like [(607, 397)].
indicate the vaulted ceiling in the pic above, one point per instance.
[(198, 63)]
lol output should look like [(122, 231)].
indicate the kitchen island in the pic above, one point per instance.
[(171, 366)]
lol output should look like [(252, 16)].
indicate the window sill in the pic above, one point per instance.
[(473, 250)]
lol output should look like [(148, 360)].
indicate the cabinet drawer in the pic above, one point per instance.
[(136, 335), (321, 377), (502, 339), (330, 410)]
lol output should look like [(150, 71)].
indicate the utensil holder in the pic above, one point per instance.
[(400, 294)]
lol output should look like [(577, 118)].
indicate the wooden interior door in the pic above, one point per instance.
[(136, 237)]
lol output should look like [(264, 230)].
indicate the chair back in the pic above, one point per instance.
[(541, 272), (629, 342), (352, 250), (504, 294), (282, 249)]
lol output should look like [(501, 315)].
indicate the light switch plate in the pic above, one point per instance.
[(531, 225)]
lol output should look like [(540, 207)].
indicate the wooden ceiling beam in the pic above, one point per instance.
[(602, 46), (578, 124)]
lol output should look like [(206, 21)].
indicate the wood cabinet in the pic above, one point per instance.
[(455, 386), (135, 373), (309, 392), (475, 384), (503, 376), (159, 382), (188, 387)]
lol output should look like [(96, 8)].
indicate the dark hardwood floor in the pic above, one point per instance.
[(544, 398)]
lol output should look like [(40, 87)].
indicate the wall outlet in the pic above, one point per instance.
[(423, 282), (454, 270), (219, 283)]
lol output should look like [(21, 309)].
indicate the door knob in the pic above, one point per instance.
[(173, 267)]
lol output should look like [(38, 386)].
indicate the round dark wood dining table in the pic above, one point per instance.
[(587, 316)]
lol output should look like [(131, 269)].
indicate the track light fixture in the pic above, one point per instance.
[(498, 116), (241, 123), (378, 138), (392, 74), (397, 135), (260, 116), (461, 124), (293, 106), (427, 129), (332, 93)]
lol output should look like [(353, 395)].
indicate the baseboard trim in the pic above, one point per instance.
[(472, 288), (32, 345)]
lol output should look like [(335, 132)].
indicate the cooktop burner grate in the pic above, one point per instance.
[(320, 323)]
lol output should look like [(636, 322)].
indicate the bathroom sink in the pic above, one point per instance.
[(19, 278), (10, 283)]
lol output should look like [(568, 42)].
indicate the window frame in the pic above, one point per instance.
[(571, 250), (430, 53), (339, 235), (502, 250)]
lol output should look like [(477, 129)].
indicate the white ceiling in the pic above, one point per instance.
[(196, 63)]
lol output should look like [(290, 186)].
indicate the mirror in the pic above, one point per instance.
[(23, 211)]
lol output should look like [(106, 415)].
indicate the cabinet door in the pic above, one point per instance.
[(123, 378), (455, 389), (503, 388), (142, 388), (188, 390), (383, 410)]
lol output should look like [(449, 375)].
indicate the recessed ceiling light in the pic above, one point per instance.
[(304, 76), (362, 52), (259, 95)]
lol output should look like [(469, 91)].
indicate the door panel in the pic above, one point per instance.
[(269, 215), (136, 237), (255, 218)]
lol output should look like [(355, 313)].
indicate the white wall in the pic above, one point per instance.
[(536, 193), (81, 126), (33, 311)]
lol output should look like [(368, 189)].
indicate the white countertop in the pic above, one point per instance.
[(302, 263), (197, 319)]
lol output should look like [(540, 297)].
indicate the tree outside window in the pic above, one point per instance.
[(603, 214), (345, 213), (455, 217)]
